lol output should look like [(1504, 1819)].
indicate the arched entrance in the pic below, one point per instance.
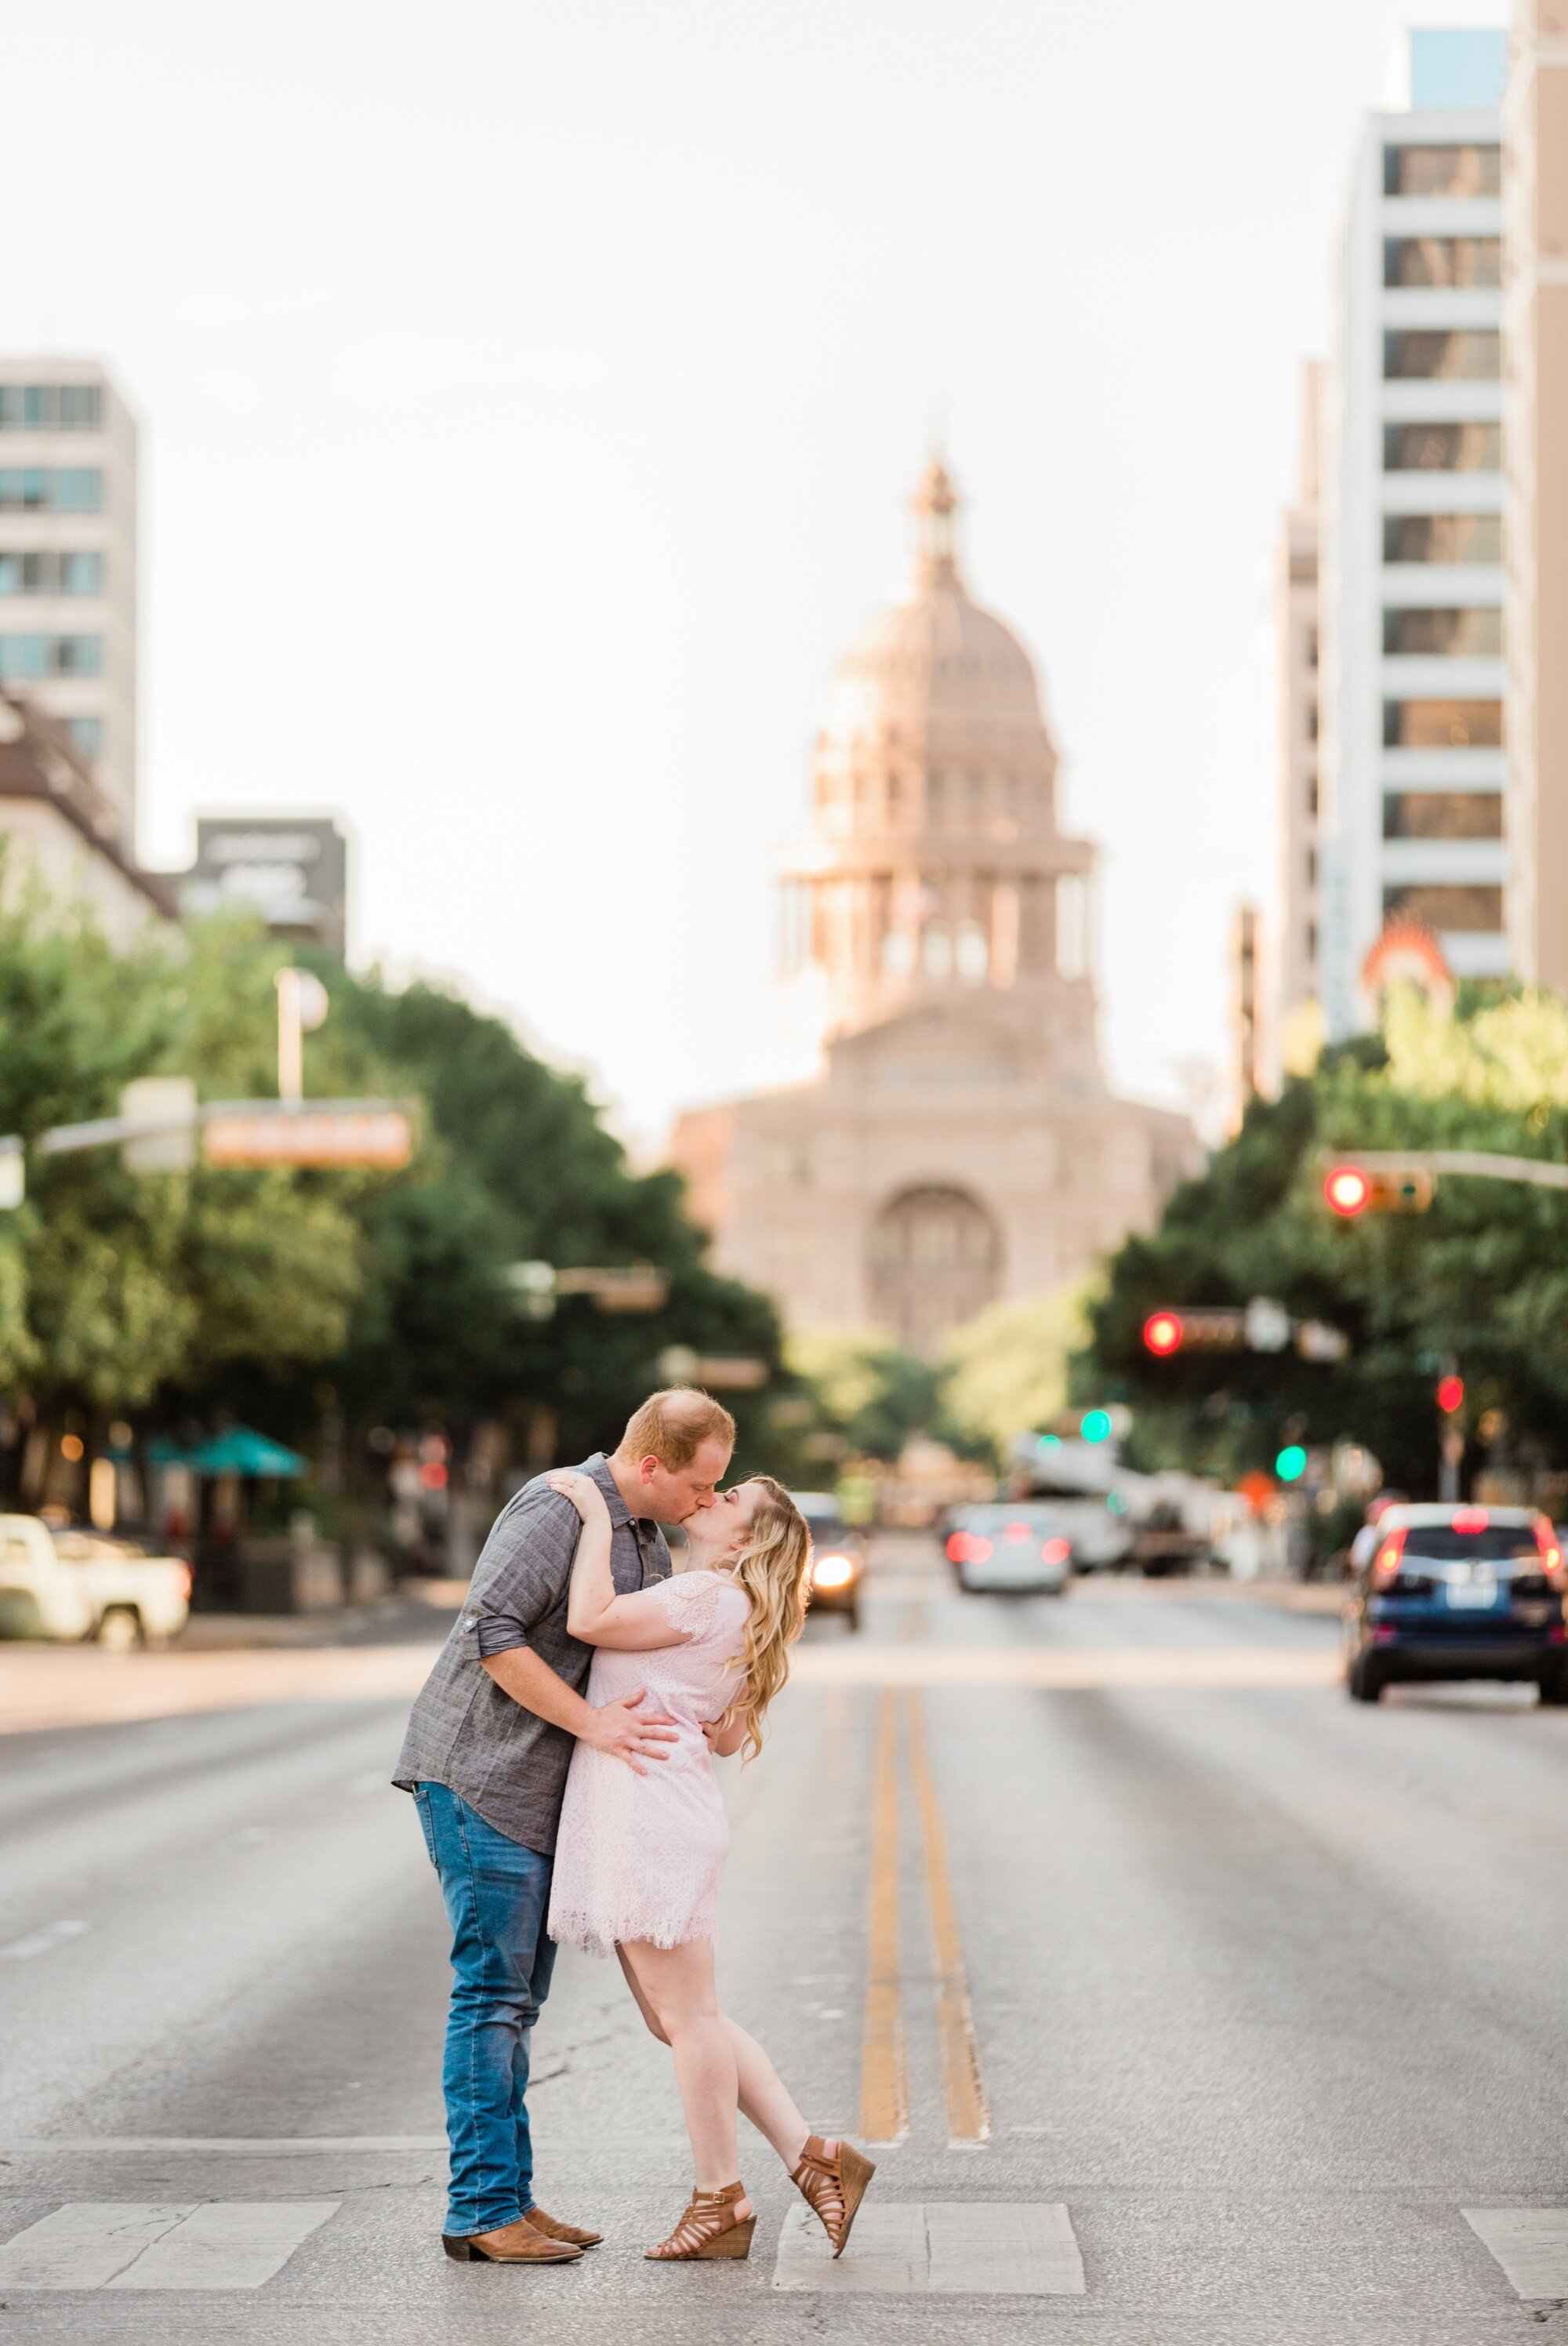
[(935, 1261)]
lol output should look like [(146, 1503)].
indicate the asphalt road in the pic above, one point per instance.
[(1204, 2004)]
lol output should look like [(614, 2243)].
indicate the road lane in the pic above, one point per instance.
[(1267, 1993)]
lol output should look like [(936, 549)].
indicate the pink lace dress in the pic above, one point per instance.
[(639, 1857)]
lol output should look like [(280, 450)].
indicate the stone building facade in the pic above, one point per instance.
[(959, 1144)]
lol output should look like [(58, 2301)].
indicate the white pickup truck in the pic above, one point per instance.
[(72, 1584)]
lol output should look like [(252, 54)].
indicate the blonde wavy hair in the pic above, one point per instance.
[(771, 1568)]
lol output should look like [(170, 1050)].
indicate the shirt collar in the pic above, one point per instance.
[(599, 1467)]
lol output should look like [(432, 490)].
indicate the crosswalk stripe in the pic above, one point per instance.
[(120, 2244), (1531, 2244), (946, 2248)]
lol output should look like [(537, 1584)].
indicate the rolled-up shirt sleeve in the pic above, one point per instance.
[(523, 1574)]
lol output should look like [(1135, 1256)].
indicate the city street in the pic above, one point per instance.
[(1192, 2002)]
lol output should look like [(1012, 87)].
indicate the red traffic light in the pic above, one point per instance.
[(1347, 1190), (1163, 1332), (1450, 1394)]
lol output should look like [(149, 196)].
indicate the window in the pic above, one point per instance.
[(1310, 648), (936, 950), (1072, 927), (1442, 170), (1442, 814), (49, 573), (36, 656), (50, 407), (1442, 537), (1443, 261), (87, 735), (1442, 447), (37, 488), (1312, 796), (1311, 721), (1467, 354), (1477, 909), (1443, 724), (972, 955), (1456, 635)]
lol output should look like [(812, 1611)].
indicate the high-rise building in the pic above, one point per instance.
[(960, 1143), (1411, 588), (68, 563), (1535, 446), (1292, 991)]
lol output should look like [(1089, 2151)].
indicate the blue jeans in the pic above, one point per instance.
[(497, 1895)]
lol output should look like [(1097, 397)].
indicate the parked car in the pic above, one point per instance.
[(1163, 1542), (76, 1584), (1020, 1546), (837, 1556), (1460, 1593)]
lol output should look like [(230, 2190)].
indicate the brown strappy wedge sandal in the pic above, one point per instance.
[(709, 2229), (821, 2181)]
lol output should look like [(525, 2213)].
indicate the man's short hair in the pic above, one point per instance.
[(673, 1425)]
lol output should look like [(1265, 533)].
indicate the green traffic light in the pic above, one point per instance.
[(1096, 1425), (1291, 1462)]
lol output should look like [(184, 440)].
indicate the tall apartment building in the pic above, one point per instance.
[(68, 563), (1535, 439), (1412, 587), (1292, 1023)]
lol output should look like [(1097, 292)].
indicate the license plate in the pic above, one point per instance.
[(1476, 1594)]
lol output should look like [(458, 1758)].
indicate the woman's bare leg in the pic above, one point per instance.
[(677, 1985), (763, 2096)]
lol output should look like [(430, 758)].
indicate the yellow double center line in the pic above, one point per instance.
[(884, 2064)]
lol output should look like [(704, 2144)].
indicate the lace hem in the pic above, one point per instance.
[(599, 1934)]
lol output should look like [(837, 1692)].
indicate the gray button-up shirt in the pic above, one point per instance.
[(464, 1732)]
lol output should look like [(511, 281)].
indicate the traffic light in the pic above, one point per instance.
[(1291, 1462), (1097, 1425), (1195, 1328), (1450, 1396), (1352, 1189)]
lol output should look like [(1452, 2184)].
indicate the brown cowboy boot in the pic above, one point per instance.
[(510, 2244), (554, 2230)]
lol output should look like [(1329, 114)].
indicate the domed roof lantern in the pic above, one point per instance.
[(935, 503)]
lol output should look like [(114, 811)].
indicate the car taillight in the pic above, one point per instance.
[(1055, 1551), (1016, 1532), (1471, 1519), (1550, 1553), (1386, 1562), (977, 1550), (958, 1548)]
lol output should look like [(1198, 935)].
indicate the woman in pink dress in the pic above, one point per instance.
[(641, 1850)]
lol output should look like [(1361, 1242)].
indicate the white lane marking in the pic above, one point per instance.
[(1531, 2244), (200, 2244), (887, 2252), (1002, 2248), (375, 1780), (83, 2246), (853, 1663), (952, 2248), (228, 2244), (38, 1943)]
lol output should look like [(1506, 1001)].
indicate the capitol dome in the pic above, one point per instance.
[(936, 660)]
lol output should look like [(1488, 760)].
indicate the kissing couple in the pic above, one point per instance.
[(561, 1754)]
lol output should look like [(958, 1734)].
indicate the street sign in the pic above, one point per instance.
[(617, 1287), (166, 1106), (380, 1137)]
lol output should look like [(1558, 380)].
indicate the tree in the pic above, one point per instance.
[(1483, 1276), (1007, 1369), (865, 1389)]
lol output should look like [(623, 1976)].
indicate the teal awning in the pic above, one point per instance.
[(238, 1451)]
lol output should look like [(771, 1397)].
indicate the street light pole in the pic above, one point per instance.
[(302, 1007)]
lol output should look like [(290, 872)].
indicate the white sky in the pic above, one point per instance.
[(530, 396)]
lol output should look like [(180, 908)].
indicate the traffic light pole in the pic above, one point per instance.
[(1536, 1170)]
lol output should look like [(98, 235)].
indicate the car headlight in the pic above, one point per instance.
[(832, 1572)]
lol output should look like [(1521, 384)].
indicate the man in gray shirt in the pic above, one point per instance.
[(486, 1753)]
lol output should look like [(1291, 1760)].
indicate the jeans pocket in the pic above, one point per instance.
[(421, 1802)]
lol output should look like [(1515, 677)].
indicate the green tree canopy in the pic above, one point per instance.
[(1482, 1278)]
